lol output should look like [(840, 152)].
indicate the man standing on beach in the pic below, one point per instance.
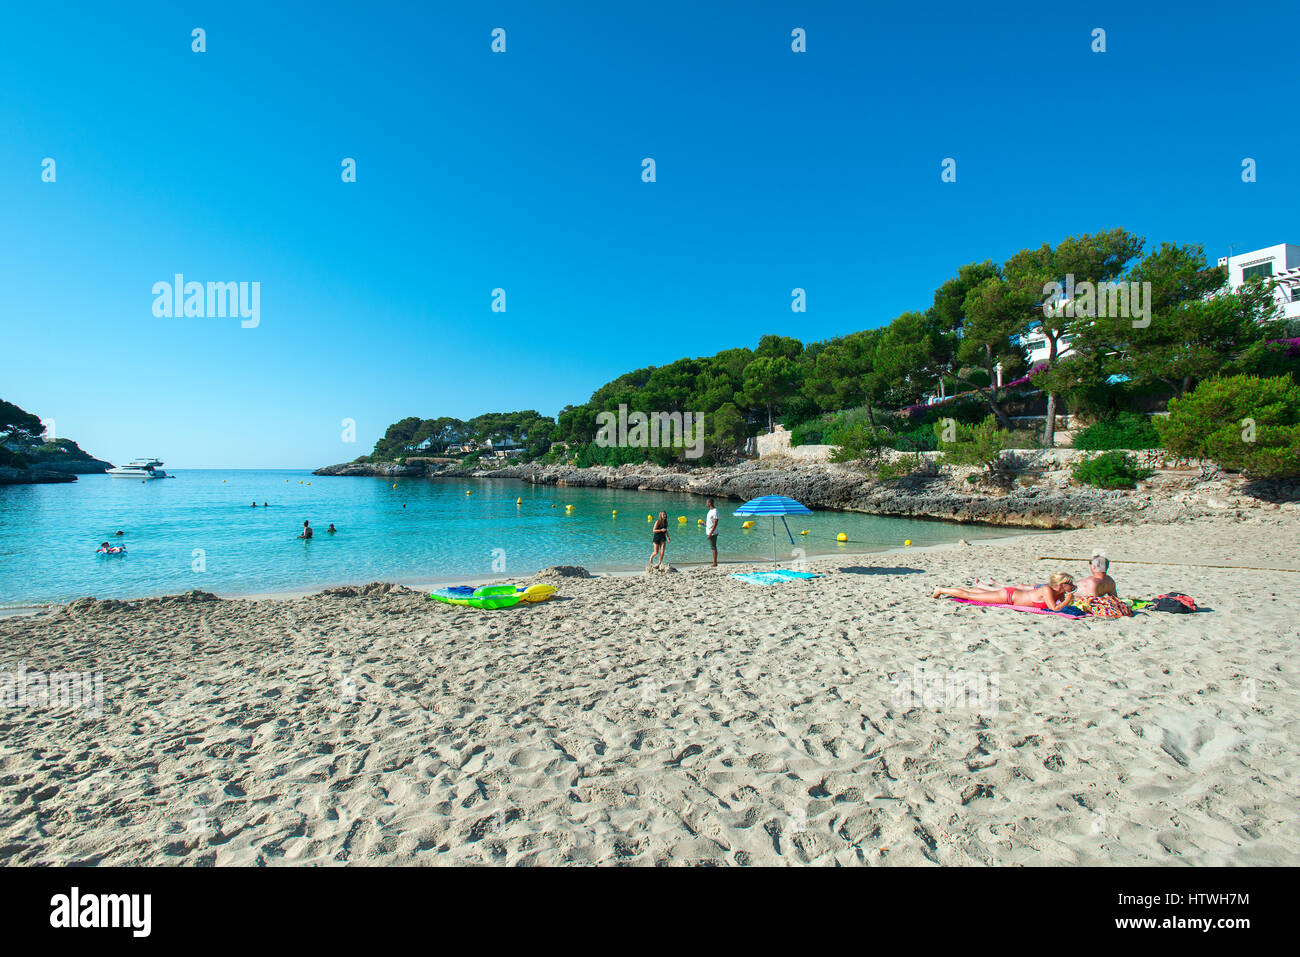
[(711, 531)]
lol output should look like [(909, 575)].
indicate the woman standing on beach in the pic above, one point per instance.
[(660, 538)]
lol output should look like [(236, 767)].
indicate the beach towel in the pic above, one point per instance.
[(1107, 606), (1074, 613), (770, 578)]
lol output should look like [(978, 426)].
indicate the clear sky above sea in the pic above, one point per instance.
[(522, 171)]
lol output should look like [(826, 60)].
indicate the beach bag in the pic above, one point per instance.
[(1108, 606), (1175, 602)]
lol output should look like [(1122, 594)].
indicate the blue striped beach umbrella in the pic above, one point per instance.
[(774, 505)]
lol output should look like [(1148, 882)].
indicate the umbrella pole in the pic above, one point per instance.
[(774, 541)]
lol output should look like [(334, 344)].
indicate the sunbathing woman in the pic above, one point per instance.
[(1053, 596)]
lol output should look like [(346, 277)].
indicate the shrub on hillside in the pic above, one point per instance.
[(1244, 423), (901, 468), (914, 438), (846, 424), (1125, 430), (1272, 358), (859, 443), (13, 460), (980, 444), (1109, 470), (808, 433)]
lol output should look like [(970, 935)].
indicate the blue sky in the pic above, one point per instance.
[(522, 171)]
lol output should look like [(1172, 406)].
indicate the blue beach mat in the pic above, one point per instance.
[(770, 578)]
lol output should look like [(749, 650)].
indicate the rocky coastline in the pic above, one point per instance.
[(33, 476), (1039, 495)]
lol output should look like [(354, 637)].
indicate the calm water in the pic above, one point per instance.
[(420, 531)]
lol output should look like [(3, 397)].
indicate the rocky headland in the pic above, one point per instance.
[(1036, 490)]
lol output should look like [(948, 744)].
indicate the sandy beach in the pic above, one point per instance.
[(682, 718)]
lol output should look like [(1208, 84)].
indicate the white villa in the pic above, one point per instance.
[(1280, 263)]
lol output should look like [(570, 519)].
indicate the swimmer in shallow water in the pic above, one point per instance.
[(331, 529)]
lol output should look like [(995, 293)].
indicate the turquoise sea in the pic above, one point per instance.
[(199, 530)]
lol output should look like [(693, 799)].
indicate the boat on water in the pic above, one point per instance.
[(139, 469)]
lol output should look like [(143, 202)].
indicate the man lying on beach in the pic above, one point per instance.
[(1098, 583), (1053, 596)]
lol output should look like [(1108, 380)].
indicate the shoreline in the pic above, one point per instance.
[(1042, 494), (425, 584)]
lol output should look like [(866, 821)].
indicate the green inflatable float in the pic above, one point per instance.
[(493, 596)]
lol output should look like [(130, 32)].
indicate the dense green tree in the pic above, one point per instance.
[(991, 333), (1248, 424), (18, 425), (1196, 329), (783, 347), (1095, 258), (839, 373), (911, 354), (770, 380)]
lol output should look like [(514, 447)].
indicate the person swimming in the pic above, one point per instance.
[(254, 505), (1098, 583), (1052, 596), (331, 529)]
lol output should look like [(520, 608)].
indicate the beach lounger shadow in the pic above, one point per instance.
[(872, 570)]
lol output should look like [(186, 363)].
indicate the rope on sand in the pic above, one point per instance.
[(1118, 561)]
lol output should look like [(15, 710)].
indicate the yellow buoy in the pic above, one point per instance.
[(699, 521), (681, 519), (649, 518), (519, 501), (394, 485), (907, 541), (804, 532), (841, 537), (614, 513), (309, 483), (468, 492), (747, 525)]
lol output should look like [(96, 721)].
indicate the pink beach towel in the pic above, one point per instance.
[(1032, 611)]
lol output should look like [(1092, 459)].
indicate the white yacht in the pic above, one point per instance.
[(139, 469)]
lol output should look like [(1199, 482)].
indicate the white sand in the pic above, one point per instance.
[(683, 718)]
